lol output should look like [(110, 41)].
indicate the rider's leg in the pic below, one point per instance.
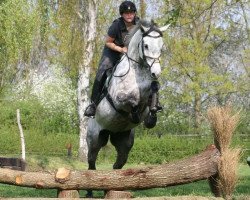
[(105, 64), (96, 92)]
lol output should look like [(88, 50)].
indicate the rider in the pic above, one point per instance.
[(113, 50)]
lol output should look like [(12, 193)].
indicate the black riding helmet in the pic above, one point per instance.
[(127, 6)]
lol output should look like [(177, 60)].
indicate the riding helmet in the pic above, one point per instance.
[(127, 6)]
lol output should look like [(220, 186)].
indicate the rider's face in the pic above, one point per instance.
[(128, 16)]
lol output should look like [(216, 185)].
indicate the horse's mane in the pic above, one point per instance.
[(131, 34), (140, 23)]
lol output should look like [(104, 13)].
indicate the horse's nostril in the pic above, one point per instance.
[(153, 75)]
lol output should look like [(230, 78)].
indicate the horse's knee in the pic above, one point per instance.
[(150, 120)]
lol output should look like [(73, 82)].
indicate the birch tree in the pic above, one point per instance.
[(75, 43), (87, 13)]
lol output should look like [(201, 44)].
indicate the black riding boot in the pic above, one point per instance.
[(154, 103), (95, 97)]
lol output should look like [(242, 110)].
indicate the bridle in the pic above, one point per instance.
[(143, 58)]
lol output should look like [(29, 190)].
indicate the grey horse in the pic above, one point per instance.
[(125, 103)]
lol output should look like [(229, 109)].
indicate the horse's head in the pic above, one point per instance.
[(150, 47)]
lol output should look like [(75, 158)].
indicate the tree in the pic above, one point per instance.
[(88, 16), (17, 28), (196, 72), (73, 37), (142, 9)]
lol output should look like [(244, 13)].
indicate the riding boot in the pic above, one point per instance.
[(155, 105), (95, 97), (158, 104)]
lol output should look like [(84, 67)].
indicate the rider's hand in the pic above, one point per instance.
[(124, 50)]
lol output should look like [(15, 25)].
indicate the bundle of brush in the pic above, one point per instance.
[(224, 123)]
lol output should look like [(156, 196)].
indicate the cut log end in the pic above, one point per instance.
[(62, 175), (19, 180)]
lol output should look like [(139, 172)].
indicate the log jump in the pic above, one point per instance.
[(211, 164), (195, 168)]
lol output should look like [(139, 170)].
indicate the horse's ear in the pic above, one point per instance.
[(164, 28), (145, 25), (144, 28)]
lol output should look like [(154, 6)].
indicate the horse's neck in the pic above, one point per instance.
[(133, 48)]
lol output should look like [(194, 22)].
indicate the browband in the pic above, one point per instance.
[(151, 29)]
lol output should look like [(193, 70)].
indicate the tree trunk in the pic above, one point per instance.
[(143, 8), (87, 15), (195, 168)]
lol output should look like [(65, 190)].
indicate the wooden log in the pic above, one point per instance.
[(118, 195), (68, 194), (195, 168), (63, 175), (139, 198)]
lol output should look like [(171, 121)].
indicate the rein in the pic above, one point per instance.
[(143, 59)]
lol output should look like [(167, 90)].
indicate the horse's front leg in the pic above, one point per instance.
[(123, 142)]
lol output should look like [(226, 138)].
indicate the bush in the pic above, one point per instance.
[(35, 117), (155, 150)]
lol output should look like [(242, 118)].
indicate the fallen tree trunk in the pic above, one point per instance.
[(139, 198), (198, 167)]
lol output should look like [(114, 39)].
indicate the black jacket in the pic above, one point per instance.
[(118, 31)]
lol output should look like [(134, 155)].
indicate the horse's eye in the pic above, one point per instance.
[(146, 46)]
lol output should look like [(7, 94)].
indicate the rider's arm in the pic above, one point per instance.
[(110, 44)]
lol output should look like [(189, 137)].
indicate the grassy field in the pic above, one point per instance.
[(200, 188)]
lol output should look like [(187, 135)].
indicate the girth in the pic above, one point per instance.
[(122, 112)]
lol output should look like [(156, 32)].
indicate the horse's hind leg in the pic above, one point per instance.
[(95, 143), (123, 143)]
